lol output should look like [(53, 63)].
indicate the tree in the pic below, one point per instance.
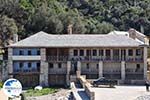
[(8, 27), (78, 27), (104, 28)]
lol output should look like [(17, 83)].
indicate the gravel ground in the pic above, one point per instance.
[(62, 94)]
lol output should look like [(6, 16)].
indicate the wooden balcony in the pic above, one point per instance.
[(107, 59), (91, 58)]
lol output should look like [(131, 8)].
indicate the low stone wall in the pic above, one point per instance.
[(131, 82), (87, 86), (73, 78), (75, 92), (138, 82)]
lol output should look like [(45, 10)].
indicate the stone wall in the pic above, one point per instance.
[(75, 92), (87, 86), (43, 68)]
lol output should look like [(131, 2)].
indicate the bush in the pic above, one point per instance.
[(1, 84), (23, 97), (44, 91)]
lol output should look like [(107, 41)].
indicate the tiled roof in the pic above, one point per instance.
[(42, 39)]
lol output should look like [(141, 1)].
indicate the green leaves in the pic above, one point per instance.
[(8, 27)]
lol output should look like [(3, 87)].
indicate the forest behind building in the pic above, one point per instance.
[(26, 17)]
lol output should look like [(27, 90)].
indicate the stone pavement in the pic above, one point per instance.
[(122, 93)]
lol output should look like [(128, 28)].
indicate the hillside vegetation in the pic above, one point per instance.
[(26, 17)]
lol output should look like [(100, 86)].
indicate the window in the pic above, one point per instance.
[(107, 52), (97, 66), (75, 52), (38, 52), (29, 52), (38, 64), (94, 52), (88, 52), (87, 65), (59, 65), (116, 52), (101, 52), (81, 52), (51, 65), (15, 51), (137, 67), (130, 52), (29, 65), (138, 52), (21, 64), (21, 52)]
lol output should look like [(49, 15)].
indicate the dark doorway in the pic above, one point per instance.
[(73, 67)]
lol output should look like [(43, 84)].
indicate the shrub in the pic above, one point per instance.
[(1, 84)]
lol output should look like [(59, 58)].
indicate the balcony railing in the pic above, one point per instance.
[(26, 70), (91, 58), (112, 72), (133, 71), (57, 58), (89, 72)]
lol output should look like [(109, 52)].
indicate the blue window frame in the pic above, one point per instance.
[(26, 51), (26, 66)]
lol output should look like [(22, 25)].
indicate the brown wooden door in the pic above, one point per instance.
[(57, 80), (28, 80)]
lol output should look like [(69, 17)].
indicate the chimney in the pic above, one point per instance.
[(15, 38), (132, 33), (69, 29), (146, 41)]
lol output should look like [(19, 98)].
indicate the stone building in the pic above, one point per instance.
[(48, 59)]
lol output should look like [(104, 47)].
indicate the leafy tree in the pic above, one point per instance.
[(86, 16), (8, 27)]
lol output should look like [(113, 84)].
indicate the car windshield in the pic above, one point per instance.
[(101, 78)]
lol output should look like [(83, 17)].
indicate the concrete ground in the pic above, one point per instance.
[(122, 93), (3, 96)]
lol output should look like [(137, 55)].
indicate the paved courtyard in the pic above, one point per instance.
[(122, 93)]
